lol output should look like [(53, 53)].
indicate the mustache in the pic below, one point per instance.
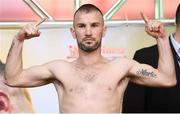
[(88, 38)]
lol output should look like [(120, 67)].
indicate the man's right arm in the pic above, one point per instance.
[(15, 75)]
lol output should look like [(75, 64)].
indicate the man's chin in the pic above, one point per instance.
[(89, 47)]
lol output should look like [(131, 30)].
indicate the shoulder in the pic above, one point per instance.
[(57, 64), (123, 65), (58, 61), (124, 61)]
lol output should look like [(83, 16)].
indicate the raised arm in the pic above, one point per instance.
[(164, 75), (15, 75)]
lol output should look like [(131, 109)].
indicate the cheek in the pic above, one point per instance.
[(78, 37), (98, 33), (79, 33)]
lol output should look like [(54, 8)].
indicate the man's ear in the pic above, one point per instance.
[(104, 30), (73, 32)]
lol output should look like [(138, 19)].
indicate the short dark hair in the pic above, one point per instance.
[(178, 15), (88, 8)]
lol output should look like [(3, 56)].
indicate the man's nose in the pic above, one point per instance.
[(88, 31)]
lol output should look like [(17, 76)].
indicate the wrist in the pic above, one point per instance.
[(163, 43), (18, 39)]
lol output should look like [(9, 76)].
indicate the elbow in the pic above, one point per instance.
[(169, 79), (9, 83), (171, 83)]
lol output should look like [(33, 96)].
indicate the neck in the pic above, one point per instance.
[(91, 58)]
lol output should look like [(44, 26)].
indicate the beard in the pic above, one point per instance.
[(89, 48)]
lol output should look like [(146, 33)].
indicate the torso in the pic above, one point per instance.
[(92, 88)]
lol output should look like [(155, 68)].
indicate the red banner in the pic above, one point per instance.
[(17, 10)]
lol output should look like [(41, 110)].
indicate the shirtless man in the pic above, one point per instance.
[(91, 83), (13, 100)]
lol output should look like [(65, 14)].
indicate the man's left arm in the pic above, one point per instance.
[(165, 74)]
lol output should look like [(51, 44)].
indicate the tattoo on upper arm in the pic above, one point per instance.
[(144, 72)]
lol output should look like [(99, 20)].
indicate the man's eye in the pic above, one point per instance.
[(94, 25), (81, 26)]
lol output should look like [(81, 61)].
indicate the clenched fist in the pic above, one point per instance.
[(29, 31)]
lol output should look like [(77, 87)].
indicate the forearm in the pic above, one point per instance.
[(14, 60), (166, 63)]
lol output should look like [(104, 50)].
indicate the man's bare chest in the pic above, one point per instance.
[(88, 74)]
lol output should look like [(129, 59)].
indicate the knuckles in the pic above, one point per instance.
[(28, 31)]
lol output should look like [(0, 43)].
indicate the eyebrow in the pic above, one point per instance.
[(91, 23)]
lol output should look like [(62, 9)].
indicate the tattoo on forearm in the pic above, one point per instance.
[(144, 72)]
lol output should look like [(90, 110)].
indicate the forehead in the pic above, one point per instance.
[(90, 17)]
